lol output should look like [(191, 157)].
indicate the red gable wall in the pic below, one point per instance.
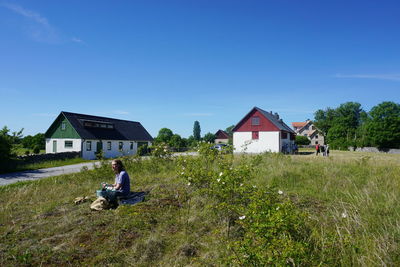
[(265, 124)]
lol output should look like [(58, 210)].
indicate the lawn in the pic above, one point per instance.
[(211, 210)]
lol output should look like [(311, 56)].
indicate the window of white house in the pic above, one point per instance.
[(63, 126), (109, 145), (88, 145), (131, 145), (68, 144), (316, 136), (120, 145), (255, 121)]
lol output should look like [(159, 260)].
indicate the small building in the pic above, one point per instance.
[(308, 129), (221, 137), (93, 134), (261, 131)]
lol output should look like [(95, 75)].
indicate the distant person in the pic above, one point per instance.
[(327, 150), (322, 148), (317, 149), (295, 148), (121, 187)]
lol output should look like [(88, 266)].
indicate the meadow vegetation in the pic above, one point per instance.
[(213, 209)]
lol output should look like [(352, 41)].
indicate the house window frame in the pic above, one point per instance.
[(63, 126), (121, 146), (88, 145), (131, 145), (255, 121), (69, 142), (255, 135), (108, 145)]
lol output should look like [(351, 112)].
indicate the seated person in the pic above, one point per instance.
[(121, 187)]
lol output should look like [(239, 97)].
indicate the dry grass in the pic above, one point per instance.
[(351, 199)]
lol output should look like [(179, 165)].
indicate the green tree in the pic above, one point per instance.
[(209, 137), (164, 135), (302, 140), (196, 131), (383, 125), (229, 129), (176, 142)]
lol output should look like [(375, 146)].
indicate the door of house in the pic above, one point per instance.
[(54, 146), (99, 146)]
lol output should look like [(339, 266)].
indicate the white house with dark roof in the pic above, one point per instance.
[(91, 134), (308, 129), (261, 131)]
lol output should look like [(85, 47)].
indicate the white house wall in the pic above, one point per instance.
[(60, 145), (108, 153), (267, 142)]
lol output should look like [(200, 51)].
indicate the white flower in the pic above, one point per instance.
[(231, 168), (277, 208), (182, 173), (189, 183), (241, 184), (280, 192), (165, 150), (183, 168), (242, 217), (218, 180), (223, 182), (344, 215), (220, 174), (254, 186)]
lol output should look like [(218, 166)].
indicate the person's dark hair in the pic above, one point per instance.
[(120, 166)]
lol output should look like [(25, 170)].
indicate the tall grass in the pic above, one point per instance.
[(350, 202)]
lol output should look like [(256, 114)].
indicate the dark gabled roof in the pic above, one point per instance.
[(220, 134), (121, 129), (271, 117)]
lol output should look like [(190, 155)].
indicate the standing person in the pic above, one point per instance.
[(121, 187), (317, 149), (327, 150)]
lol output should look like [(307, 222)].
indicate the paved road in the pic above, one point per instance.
[(10, 178)]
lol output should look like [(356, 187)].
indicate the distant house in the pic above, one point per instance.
[(261, 131), (91, 134), (308, 129), (221, 137)]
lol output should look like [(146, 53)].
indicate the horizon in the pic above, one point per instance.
[(167, 64)]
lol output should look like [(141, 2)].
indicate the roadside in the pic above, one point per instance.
[(30, 175), (10, 178)]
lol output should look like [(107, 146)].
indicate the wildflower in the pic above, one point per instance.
[(183, 168), (241, 184), (218, 180), (277, 208), (189, 183), (182, 173), (223, 182), (280, 192), (344, 215), (254, 186), (231, 168), (220, 174), (242, 217), (165, 150)]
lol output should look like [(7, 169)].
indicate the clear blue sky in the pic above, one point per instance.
[(169, 63)]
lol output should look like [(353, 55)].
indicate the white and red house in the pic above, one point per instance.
[(261, 131)]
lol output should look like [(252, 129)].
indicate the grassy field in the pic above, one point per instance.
[(213, 210)]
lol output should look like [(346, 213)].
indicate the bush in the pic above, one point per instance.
[(36, 150), (302, 140), (143, 150)]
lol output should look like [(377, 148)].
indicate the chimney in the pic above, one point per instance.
[(276, 116)]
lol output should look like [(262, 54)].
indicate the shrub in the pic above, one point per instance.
[(36, 150)]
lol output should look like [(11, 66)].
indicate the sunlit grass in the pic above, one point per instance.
[(350, 198)]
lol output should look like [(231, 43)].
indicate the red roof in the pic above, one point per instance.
[(299, 124)]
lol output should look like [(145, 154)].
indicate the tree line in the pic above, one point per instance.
[(349, 125)]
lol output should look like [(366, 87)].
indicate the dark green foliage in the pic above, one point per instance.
[(143, 150), (383, 125), (36, 149), (196, 131), (302, 140), (229, 129), (32, 141), (209, 138)]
